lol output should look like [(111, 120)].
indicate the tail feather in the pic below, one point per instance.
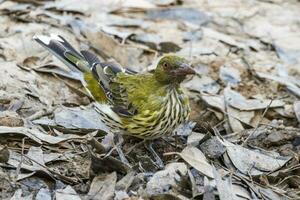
[(96, 75), (63, 51), (91, 58)]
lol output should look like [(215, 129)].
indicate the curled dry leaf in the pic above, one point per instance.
[(236, 117), (78, 119), (37, 136), (82, 6), (184, 129)]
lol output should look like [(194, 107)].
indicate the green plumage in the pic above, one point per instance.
[(150, 98), (94, 88), (143, 91), (142, 105)]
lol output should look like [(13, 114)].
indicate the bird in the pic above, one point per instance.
[(146, 105)]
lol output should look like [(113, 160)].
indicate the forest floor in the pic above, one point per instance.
[(243, 137)]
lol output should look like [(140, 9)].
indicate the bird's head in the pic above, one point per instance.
[(172, 69)]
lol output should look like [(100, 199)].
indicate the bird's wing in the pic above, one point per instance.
[(106, 73), (99, 77)]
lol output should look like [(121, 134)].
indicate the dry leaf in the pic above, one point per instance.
[(196, 159)]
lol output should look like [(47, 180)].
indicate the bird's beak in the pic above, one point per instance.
[(184, 70)]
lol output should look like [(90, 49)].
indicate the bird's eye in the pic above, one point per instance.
[(166, 65)]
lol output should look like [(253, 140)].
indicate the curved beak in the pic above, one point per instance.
[(184, 69)]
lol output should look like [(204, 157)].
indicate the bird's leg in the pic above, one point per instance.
[(118, 146), (148, 145)]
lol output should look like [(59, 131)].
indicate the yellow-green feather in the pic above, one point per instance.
[(94, 88), (92, 83), (143, 91), (149, 97)]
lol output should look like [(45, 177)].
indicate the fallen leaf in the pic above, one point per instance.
[(224, 186), (162, 182), (204, 84), (238, 101), (37, 135), (43, 194), (4, 155), (210, 33), (103, 187), (215, 101), (126, 55), (257, 162), (213, 148), (126, 181), (67, 193), (197, 159), (293, 87), (194, 138), (235, 116), (297, 110), (33, 162), (19, 195), (186, 14), (230, 75), (78, 118)]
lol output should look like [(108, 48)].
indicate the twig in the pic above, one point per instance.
[(246, 179), (65, 178), (170, 153), (41, 113), (286, 178), (21, 161)]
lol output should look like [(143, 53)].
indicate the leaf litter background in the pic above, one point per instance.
[(245, 141)]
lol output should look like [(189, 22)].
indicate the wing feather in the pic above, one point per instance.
[(103, 74)]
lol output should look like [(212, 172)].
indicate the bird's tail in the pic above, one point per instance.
[(58, 46), (83, 62)]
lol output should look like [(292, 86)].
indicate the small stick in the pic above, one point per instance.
[(21, 161)]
